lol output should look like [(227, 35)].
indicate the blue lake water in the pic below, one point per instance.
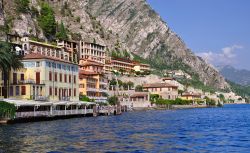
[(224, 129)]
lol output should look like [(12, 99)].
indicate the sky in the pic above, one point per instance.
[(217, 30)]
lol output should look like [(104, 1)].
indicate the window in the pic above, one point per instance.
[(22, 77), (37, 64), (11, 90), (74, 91), (50, 76), (50, 91), (69, 78), (74, 79), (56, 91), (17, 90), (69, 92), (23, 90), (60, 77), (55, 77), (37, 77), (65, 78), (14, 78)]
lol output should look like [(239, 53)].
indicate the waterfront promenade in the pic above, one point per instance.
[(33, 111)]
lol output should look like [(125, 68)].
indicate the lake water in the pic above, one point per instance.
[(224, 129)]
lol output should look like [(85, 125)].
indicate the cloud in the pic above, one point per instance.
[(227, 56)]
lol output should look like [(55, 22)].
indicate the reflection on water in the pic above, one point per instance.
[(195, 130)]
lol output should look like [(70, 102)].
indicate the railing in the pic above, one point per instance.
[(41, 98), (92, 89), (65, 98), (58, 112)]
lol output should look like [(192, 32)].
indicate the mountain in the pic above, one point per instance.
[(120, 24), (241, 77)]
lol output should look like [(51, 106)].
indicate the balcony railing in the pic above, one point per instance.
[(41, 98)]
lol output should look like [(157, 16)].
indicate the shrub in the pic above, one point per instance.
[(78, 19), (85, 98), (22, 6), (113, 100), (7, 110)]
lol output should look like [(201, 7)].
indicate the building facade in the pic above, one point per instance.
[(164, 90), (92, 51), (44, 78), (93, 85)]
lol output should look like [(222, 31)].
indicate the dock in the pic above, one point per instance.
[(33, 111)]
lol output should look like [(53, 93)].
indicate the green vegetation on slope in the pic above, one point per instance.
[(47, 21), (61, 32), (22, 6), (243, 91)]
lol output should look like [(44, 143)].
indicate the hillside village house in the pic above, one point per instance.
[(173, 81), (164, 90), (92, 51), (126, 66)]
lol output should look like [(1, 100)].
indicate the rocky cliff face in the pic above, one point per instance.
[(130, 24)]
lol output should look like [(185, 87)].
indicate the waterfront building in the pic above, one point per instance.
[(190, 96), (136, 99), (44, 78), (164, 90), (92, 51), (93, 85)]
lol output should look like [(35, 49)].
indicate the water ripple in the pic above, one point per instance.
[(194, 130)]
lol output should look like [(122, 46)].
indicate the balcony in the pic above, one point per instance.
[(99, 99), (92, 89), (41, 98), (28, 81)]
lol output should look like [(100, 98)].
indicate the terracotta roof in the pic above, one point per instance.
[(191, 94), (159, 85), (40, 56), (139, 94), (122, 60), (90, 62)]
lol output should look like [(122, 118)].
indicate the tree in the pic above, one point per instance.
[(139, 88), (47, 20), (154, 97), (22, 6), (61, 32), (9, 60), (130, 85), (113, 100)]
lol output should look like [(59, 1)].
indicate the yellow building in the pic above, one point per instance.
[(93, 85), (190, 96), (45, 78)]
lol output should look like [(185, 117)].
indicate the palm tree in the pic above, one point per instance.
[(9, 60)]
